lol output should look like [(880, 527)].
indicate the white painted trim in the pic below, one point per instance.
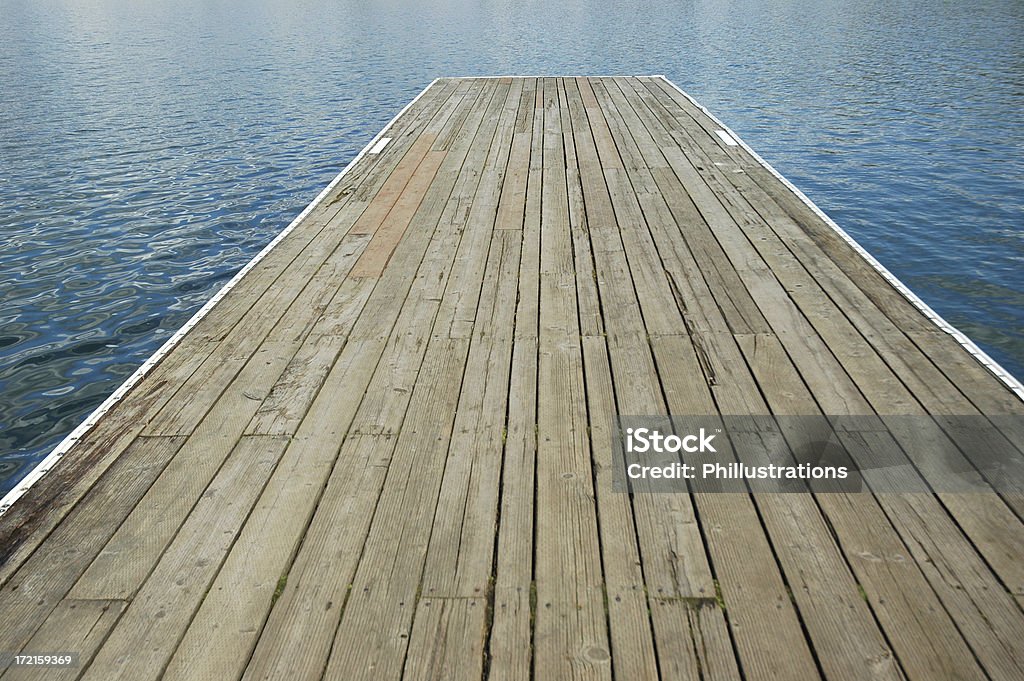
[(969, 345), (47, 464), (726, 137)]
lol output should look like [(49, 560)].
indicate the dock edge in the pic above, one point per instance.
[(58, 452), (993, 366)]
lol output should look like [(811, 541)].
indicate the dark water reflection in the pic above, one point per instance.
[(149, 149)]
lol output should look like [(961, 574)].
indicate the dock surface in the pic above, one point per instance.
[(386, 453)]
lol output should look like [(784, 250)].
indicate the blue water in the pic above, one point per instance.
[(148, 149)]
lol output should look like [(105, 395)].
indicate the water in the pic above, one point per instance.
[(149, 149)]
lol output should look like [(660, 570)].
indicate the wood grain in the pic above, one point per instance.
[(388, 452)]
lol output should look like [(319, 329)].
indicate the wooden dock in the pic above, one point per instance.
[(386, 452)]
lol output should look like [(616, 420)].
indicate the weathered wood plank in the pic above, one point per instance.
[(231, 618), (459, 307), (986, 614), (158, 615), (289, 399), (447, 641), (155, 521), (670, 568), (378, 252), (571, 637), (735, 580), (803, 542), (925, 639), (45, 578), (377, 620), (343, 516), (385, 200), (511, 641), (77, 627), (148, 530), (630, 631), (444, 432), (460, 554), (750, 585)]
